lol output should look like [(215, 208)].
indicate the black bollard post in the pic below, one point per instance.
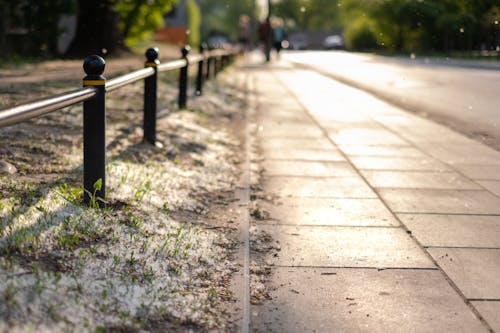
[(216, 66), (209, 65), (183, 78), (94, 134), (150, 89), (199, 75)]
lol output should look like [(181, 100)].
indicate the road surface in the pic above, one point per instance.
[(462, 95)]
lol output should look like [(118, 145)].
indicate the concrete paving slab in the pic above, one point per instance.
[(268, 122), (454, 230), (290, 130), (333, 212), (441, 201), (365, 136), (489, 311), (428, 132), (474, 271), (399, 163), (325, 155), (479, 171), (398, 119), (363, 124), (341, 117), (308, 169), (375, 247), (353, 187), (463, 154), (418, 179), (491, 185), (389, 151), (295, 143), (341, 300), (284, 116)]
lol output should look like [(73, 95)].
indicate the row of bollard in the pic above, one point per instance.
[(94, 110)]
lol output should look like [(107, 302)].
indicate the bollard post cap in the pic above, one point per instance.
[(152, 54), (94, 65), (185, 51)]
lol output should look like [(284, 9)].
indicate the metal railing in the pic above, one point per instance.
[(93, 96)]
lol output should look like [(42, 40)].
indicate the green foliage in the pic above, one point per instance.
[(309, 14), (222, 16), (194, 22), (95, 201), (139, 18), (360, 35), (401, 25)]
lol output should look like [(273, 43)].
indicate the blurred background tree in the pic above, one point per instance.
[(125, 21), (221, 17), (32, 27), (401, 25), (37, 20), (194, 22)]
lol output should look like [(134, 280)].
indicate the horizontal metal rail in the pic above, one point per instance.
[(129, 78), (40, 107), (171, 65), (94, 106), (195, 58), (43, 106)]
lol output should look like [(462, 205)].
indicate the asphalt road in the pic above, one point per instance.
[(462, 95)]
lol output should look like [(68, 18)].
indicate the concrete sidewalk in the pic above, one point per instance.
[(387, 222)]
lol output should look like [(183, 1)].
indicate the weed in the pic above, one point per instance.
[(132, 260), (141, 192), (71, 195), (96, 202), (123, 315), (135, 221), (166, 208)]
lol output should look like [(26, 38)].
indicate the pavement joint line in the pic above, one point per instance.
[(450, 281), (484, 300), (445, 214), (361, 267), (437, 171), (242, 192), (329, 197), (425, 188), (438, 189), (329, 226), (312, 177), (304, 160), (463, 247), (307, 177)]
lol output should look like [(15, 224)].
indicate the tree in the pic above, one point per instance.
[(97, 30), (222, 16), (194, 21), (104, 26), (39, 19), (310, 14)]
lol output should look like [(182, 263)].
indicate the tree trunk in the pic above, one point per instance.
[(97, 30)]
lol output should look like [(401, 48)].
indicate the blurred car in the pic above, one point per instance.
[(333, 42), (217, 42), (298, 42)]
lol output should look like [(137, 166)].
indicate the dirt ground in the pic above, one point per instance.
[(160, 256)]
